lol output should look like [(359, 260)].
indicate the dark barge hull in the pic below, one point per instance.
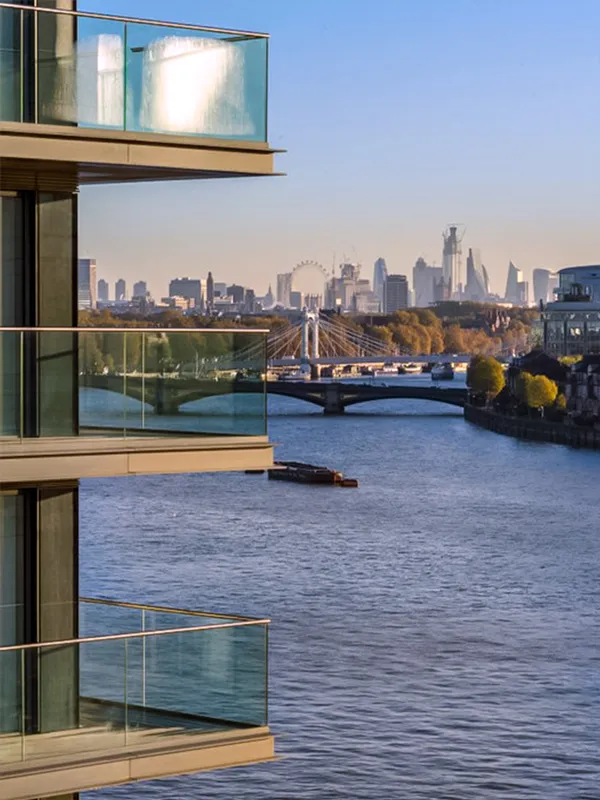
[(304, 473)]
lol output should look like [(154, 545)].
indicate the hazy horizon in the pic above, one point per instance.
[(398, 118)]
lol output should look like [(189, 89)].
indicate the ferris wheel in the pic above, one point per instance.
[(309, 264)]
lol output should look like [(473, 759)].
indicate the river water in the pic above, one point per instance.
[(436, 632)]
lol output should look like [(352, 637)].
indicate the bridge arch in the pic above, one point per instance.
[(335, 397), (167, 396)]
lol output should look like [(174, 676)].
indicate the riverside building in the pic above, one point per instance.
[(571, 324)]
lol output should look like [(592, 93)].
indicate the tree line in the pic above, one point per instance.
[(447, 328), (486, 378)]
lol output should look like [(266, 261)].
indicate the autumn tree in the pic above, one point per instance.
[(453, 339), (486, 376), (541, 392), (471, 367)]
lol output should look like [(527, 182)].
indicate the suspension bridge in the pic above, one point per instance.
[(315, 340), (320, 340)]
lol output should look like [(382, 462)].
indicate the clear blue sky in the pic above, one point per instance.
[(399, 116)]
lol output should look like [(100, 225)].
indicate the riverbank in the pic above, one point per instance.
[(533, 429)]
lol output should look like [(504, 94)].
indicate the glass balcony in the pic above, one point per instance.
[(132, 382), (162, 678), (95, 71)]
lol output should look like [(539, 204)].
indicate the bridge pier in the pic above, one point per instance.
[(164, 405), (333, 399)]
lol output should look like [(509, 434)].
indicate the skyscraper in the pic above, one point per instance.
[(86, 281), (517, 289), (451, 260), (478, 284), (103, 290), (380, 274), (284, 288), (210, 290), (120, 290), (424, 281), (396, 293), (140, 289), (544, 283)]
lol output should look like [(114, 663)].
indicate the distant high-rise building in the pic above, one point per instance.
[(268, 298), (341, 291), (442, 291), (189, 288), (365, 301), (380, 274), (140, 289), (120, 290), (103, 291), (249, 301), (523, 293), (544, 283), (284, 288), (451, 260), (350, 271), (237, 293), (295, 300), (396, 293), (87, 285), (517, 290), (210, 290), (478, 284), (424, 281), (220, 289)]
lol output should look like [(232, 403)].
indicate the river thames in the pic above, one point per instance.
[(436, 632)]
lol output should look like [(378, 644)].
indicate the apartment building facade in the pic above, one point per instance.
[(124, 692)]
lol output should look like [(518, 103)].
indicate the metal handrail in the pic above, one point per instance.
[(137, 635), (135, 20), (162, 609), (83, 329)]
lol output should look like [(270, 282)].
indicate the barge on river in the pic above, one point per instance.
[(298, 472)]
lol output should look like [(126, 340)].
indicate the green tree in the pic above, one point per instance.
[(486, 376), (91, 359), (541, 392)]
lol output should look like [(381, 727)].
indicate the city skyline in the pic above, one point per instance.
[(492, 147), (200, 277)]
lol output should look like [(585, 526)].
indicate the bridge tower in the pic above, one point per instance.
[(310, 330), (315, 334)]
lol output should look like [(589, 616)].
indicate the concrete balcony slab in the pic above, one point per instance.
[(38, 155), (36, 460)]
